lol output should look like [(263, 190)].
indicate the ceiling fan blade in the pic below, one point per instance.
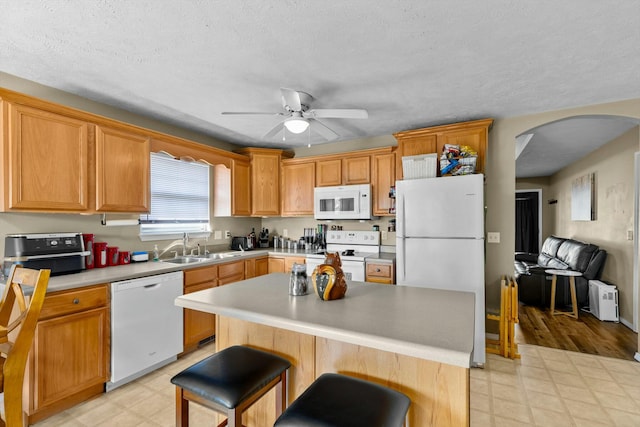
[(338, 113), (320, 128), (291, 98), (273, 132), (249, 113)]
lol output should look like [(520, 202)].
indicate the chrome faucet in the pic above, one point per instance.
[(185, 241)]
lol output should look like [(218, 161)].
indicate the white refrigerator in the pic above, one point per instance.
[(440, 240)]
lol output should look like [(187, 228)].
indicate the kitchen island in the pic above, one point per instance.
[(416, 340)]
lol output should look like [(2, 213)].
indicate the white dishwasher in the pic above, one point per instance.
[(146, 325)]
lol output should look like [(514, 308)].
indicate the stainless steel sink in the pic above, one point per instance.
[(221, 255), (184, 260)]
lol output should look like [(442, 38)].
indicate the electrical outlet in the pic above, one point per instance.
[(227, 234), (493, 237), (217, 234), (285, 233), (383, 235), (629, 234)]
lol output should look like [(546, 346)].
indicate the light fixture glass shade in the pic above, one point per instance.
[(296, 125)]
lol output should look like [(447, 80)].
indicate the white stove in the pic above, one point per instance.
[(354, 247)]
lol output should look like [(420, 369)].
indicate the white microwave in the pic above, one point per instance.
[(342, 202)]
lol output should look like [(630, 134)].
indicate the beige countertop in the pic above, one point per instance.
[(141, 269), (430, 324)]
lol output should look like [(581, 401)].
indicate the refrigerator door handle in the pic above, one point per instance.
[(400, 215)]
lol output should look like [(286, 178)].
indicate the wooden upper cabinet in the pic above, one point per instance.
[(122, 171), (384, 177), (328, 173), (433, 139), (241, 188), (265, 180), (347, 170), (298, 181), (356, 170), (45, 161)]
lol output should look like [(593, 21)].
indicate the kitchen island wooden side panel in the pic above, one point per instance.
[(299, 349), (439, 393)]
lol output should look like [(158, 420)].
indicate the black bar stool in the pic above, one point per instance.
[(229, 382), (339, 401)]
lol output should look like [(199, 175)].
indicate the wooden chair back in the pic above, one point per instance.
[(18, 320)]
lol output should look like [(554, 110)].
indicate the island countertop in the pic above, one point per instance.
[(425, 323)]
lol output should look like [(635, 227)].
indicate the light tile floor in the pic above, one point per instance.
[(547, 387)]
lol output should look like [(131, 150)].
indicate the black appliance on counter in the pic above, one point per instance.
[(241, 243), (62, 253)]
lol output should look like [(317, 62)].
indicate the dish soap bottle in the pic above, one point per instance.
[(156, 253)]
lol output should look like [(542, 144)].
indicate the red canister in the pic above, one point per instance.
[(88, 246), (100, 254), (124, 258), (112, 255)]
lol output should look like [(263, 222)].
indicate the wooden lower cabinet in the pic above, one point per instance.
[(70, 359), (380, 273), (283, 264), (255, 267), (230, 272), (198, 326)]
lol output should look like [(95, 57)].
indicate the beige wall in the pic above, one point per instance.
[(613, 166), (500, 172)]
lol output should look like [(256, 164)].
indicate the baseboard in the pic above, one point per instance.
[(626, 323)]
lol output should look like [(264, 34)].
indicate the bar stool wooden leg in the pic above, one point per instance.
[(182, 409)]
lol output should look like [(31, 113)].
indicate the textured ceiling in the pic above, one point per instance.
[(411, 64)]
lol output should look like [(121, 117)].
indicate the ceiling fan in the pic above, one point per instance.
[(299, 116)]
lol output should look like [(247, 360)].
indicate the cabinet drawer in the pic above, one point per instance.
[(66, 302), (379, 270), (199, 275), (231, 269)]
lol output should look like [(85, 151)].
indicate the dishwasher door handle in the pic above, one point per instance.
[(153, 285)]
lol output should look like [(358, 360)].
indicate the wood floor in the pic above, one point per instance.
[(586, 335)]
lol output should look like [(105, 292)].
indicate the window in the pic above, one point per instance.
[(179, 199)]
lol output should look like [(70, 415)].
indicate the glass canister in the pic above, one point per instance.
[(298, 280)]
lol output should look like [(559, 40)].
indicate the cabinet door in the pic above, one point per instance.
[(297, 189), (290, 260), (475, 137), (384, 175), (230, 272), (262, 266), (122, 171), (265, 184), (71, 354), (241, 189), (328, 173), (356, 170), (198, 325), (255, 267), (276, 265), (48, 159)]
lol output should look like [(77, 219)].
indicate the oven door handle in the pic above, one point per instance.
[(47, 256)]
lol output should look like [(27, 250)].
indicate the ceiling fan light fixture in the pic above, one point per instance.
[(296, 124)]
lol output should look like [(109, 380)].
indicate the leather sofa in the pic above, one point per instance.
[(534, 285)]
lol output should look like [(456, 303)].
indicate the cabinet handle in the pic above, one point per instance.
[(76, 301), (377, 270)]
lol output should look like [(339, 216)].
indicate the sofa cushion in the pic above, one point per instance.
[(576, 255), (596, 265), (556, 264), (549, 249)]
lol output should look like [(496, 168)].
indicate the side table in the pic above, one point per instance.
[(572, 285)]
